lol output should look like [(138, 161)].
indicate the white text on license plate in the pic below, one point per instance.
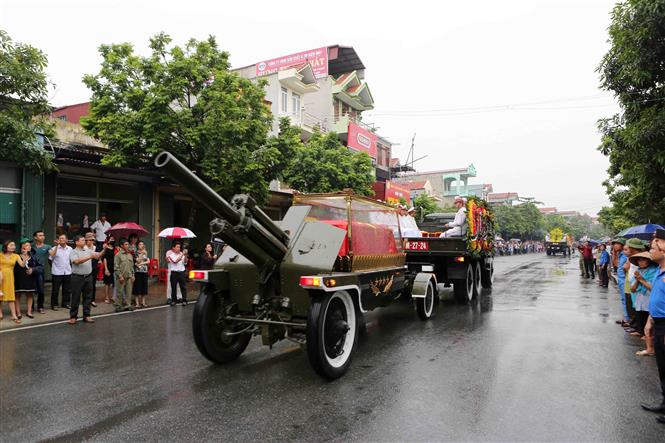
[(417, 245)]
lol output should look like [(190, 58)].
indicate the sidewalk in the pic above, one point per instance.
[(156, 297)]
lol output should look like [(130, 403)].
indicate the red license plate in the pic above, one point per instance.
[(417, 245)]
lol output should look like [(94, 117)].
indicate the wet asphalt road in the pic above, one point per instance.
[(538, 359)]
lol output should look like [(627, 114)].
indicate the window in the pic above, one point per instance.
[(296, 106), (79, 202), (10, 178), (285, 101)]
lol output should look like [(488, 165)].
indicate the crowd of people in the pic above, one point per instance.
[(639, 269), (97, 256), (514, 247)]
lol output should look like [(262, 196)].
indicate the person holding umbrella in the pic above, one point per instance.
[(178, 265), (176, 262)]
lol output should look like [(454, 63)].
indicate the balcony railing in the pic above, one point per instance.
[(312, 121), (341, 123)]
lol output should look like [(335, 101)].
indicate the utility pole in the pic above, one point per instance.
[(411, 152)]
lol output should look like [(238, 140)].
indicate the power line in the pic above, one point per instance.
[(508, 107)]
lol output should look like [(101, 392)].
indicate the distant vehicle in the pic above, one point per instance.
[(555, 243)]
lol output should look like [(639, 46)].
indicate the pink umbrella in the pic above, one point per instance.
[(125, 229), (177, 233)]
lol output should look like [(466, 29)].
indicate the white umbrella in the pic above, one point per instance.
[(177, 232)]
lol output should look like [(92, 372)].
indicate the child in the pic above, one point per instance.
[(640, 284)]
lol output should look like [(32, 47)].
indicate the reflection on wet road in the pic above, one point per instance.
[(539, 358)]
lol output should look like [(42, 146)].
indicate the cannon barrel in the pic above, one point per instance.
[(267, 242)]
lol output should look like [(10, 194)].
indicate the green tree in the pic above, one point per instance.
[(185, 100), (23, 105), (325, 165), (521, 221), (613, 220), (633, 139), (425, 204), (531, 219), (508, 221), (552, 221)]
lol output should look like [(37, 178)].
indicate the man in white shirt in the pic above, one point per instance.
[(100, 227), (177, 275), (455, 227), (61, 272)]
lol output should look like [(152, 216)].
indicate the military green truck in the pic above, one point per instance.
[(466, 261)]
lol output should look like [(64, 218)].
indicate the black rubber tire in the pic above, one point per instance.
[(208, 334), (463, 289), (425, 306), (324, 309), (487, 276), (477, 287)]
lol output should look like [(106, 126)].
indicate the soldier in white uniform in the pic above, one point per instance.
[(455, 227)]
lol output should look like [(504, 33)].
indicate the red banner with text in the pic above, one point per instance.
[(318, 58)]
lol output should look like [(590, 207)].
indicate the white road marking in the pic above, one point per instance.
[(59, 322)]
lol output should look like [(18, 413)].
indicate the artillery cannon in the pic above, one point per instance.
[(307, 278)]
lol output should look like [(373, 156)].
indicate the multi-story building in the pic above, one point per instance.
[(446, 183), (503, 198), (324, 89)]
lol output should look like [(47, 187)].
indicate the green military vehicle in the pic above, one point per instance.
[(465, 261), (308, 278)]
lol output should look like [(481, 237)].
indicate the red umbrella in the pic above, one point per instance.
[(125, 229)]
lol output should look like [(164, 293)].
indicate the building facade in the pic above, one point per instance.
[(324, 90), (446, 184)]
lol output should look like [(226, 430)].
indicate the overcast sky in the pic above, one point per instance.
[(509, 86)]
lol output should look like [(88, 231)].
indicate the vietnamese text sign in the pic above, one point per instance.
[(318, 58), (361, 139), (394, 192)]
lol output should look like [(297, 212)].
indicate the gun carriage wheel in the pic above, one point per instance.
[(332, 333), (218, 341)]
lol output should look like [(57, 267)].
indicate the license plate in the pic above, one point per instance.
[(417, 245)]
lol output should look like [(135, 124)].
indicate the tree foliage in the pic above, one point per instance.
[(185, 100), (614, 221), (633, 139), (425, 205), (520, 221), (577, 225), (323, 164), (23, 105)]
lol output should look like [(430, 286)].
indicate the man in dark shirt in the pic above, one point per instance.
[(587, 256), (40, 252)]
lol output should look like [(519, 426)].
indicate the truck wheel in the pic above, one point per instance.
[(487, 276), (332, 333), (476, 279), (210, 334), (425, 305), (463, 289)]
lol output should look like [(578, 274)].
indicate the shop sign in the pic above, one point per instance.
[(318, 58), (394, 192), (361, 139)]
